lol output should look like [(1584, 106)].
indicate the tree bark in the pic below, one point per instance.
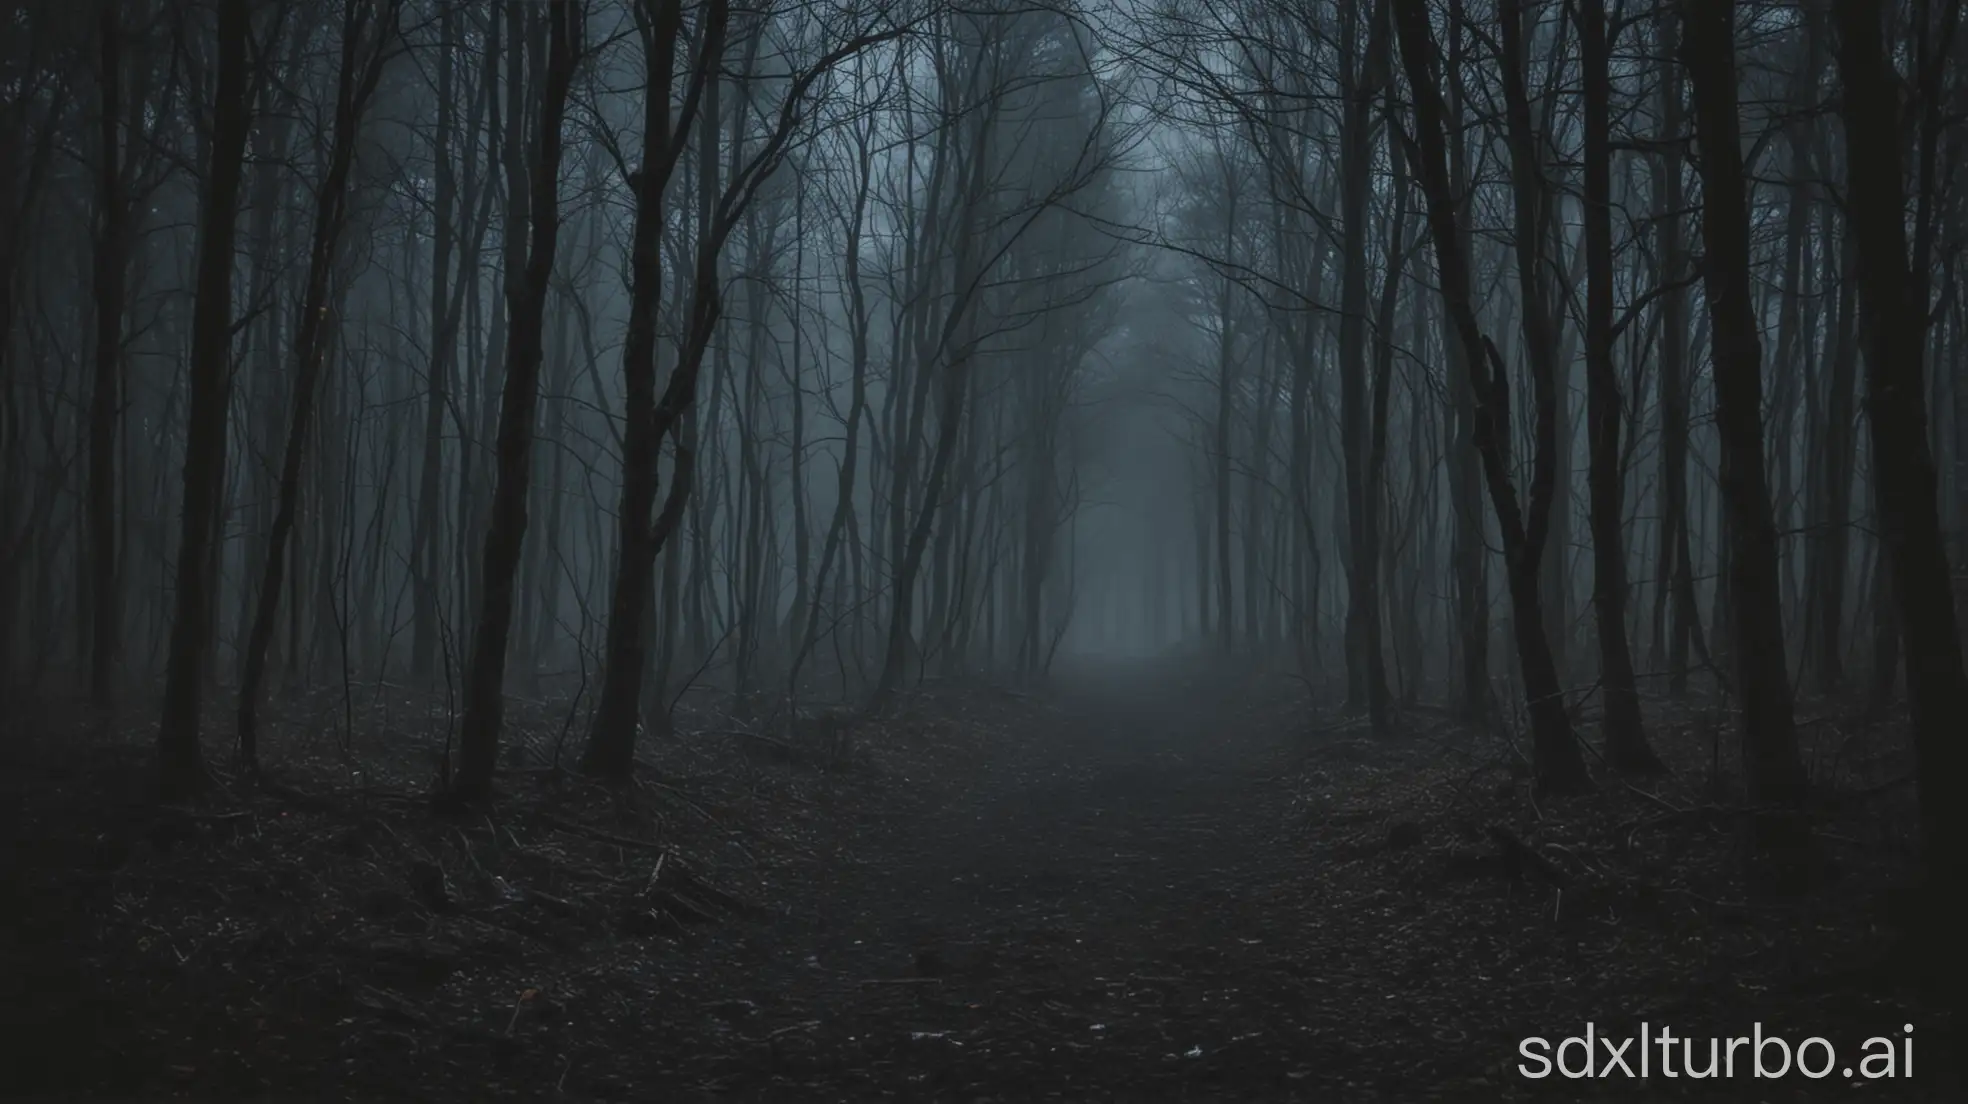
[(426, 536), (611, 743), (1833, 543), (1470, 551), (181, 766), (1360, 74), (1626, 737), (1893, 313), (1675, 604), (1226, 412), (1768, 727), (357, 82), (111, 271), (1559, 765), (526, 294)]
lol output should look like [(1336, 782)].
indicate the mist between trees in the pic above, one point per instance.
[(1489, 356)]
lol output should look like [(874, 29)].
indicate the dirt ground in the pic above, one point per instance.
[(1145, 885)]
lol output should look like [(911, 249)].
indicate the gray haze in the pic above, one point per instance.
[(973, 337)]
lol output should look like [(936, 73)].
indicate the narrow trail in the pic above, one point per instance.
[(1099, 910), (1147, 883), (1155, 893)]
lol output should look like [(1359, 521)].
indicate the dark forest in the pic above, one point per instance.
[(1007, 550)]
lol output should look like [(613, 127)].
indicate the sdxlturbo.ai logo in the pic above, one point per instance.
[(1661, 1053)]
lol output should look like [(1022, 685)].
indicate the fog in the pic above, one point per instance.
[(1560, 370)]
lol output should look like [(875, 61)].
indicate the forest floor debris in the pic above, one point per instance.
[(1153, 886)]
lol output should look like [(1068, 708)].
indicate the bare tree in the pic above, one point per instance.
[(1626, 738), (1769, 733), (1894, 315), (369, 28), (180, 758), (1559, 764), (526, 296), (611, 745)]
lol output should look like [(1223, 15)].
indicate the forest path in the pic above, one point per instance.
[(1106, 906), (1156, 892), (1144, 884)]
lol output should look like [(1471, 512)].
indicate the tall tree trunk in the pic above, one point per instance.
[(427, 530), (1769, 733), (355, 85), (1221, 452), (1360, 75), (1559, 765), (20, 187), (181, 766), (1675, 600), (111, 270), (1366, 591), (526, 294), (1836, 459), (1470, 551), (796, 449), (1626, 737), (611, 743), (1893, 313), (1532, 209)]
